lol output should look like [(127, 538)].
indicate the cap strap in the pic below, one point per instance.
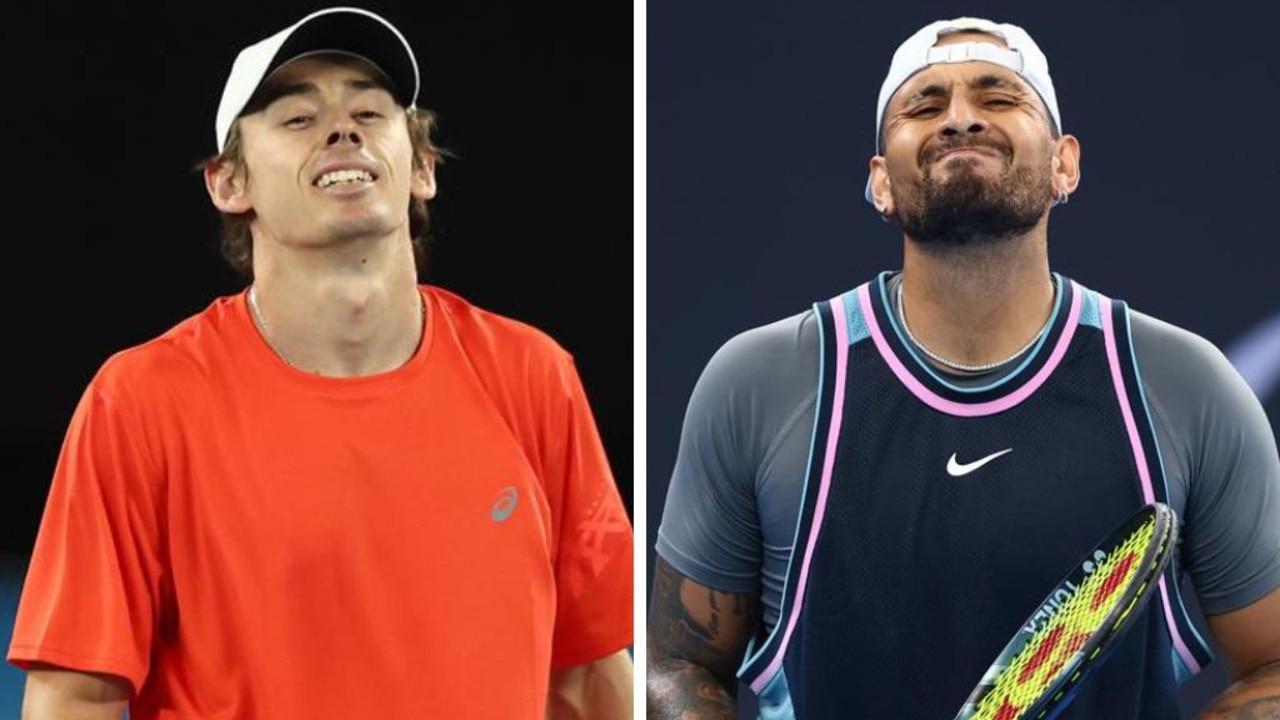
[(975, 51)]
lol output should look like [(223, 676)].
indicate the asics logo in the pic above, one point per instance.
[(505, 504), (956, 469)]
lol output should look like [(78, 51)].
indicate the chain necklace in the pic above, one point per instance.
[(902, 314), (262, 322)]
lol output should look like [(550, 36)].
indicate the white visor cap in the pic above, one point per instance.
[(1021, 55), (346, 30)]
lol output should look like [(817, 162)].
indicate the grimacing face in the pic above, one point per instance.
[(969, 156), (329, 158)]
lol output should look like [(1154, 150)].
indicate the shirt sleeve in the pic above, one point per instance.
[(1220, 440), (736, 480), (90, 597), (595, 550)]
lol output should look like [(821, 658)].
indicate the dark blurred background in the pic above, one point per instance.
[(111, 238), (761, 120)]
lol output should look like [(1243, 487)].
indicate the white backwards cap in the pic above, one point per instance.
[(1022, 56)]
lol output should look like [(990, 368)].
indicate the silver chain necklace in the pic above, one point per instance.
[(262, 322), (902, 315)]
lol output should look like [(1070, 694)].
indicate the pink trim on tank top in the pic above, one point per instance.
[(951, 407)]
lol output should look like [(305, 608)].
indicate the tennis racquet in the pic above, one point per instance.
[(1072, 631)]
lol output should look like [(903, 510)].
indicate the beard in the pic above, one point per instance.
[(968, 209)]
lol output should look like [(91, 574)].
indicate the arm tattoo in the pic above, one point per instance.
[(696, 639), (1256, 696)]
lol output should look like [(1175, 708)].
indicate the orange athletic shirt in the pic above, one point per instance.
[(242, 540)]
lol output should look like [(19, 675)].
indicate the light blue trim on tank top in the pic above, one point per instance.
[(928, 367), (774, 700), (855, 324), (1090, 313)]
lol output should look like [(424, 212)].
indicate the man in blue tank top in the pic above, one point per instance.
[(871, 495)]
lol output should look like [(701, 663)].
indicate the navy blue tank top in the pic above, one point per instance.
[(935, 518)]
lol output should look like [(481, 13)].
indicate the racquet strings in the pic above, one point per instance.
[(1055, 648)]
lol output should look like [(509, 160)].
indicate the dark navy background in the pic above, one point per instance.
[(760, 119), (110, 236)]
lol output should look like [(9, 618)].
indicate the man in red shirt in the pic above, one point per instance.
[(341, 492)]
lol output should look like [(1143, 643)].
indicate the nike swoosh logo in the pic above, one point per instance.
[(955, 469)]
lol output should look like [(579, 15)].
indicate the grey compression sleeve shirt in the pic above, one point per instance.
[(730, 513)]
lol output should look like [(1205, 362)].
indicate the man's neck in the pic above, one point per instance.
[(340, 319), (977, 305)]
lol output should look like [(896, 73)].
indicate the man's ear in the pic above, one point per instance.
[(228, 186), (881, 196), (1066, 164), (423, 184)]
